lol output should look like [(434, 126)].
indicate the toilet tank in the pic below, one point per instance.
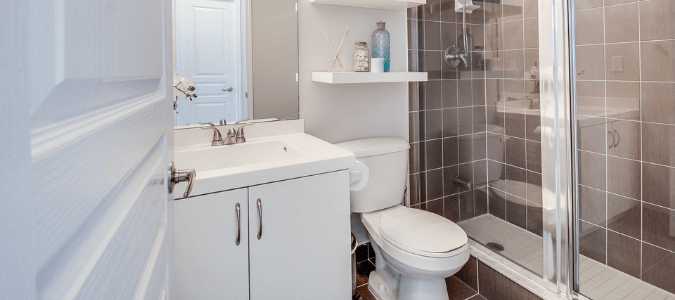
[(387, 163)]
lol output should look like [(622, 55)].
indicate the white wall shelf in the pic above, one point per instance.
[(377, 4), (367, 77)]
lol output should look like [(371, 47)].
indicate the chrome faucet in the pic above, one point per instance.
[(217, 140), (233, 136)]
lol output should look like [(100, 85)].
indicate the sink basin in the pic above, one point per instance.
[(229, 156), (258, 161)]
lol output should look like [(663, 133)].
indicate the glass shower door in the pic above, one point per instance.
[(623, 118)]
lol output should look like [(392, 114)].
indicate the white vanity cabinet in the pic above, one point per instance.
[(209, 263), (303, 251)]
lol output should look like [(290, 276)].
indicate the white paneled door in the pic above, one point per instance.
[(87, 137), (208, 51)]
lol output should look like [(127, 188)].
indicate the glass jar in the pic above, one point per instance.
[(361, 57), (381, 44)]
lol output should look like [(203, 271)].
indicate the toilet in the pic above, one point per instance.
[(415, 250)]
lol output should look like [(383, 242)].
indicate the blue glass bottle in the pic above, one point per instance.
[(381, 44)]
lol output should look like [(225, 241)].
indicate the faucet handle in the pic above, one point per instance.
[(240, 133), (217, 137), (223, 122)]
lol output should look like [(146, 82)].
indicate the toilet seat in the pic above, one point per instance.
[(398, 251), (397, 235), (421, 233)]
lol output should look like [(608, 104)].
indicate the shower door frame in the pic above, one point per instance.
[(559, 174)]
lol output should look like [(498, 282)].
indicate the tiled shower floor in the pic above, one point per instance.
[(598, 281), (520, 246)]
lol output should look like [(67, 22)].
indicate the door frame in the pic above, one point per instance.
[(559, 199), (247, 57)]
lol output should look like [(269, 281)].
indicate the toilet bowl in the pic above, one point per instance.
[(415, 250), (422, 248)]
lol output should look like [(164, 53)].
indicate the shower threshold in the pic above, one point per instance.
[(598, 281)]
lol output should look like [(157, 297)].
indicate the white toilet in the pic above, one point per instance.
[(415, 250)]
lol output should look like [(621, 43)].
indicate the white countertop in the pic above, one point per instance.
[(305, 155)]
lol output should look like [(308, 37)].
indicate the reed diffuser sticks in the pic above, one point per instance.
[(335, 60)]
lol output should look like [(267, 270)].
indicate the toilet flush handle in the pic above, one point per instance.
[(358, 176)]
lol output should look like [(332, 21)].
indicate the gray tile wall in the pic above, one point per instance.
[(490, 284), (513, 113), (447, 115), (626, 107), (461, 127)]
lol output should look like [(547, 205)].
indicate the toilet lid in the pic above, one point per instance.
[(421, 232)]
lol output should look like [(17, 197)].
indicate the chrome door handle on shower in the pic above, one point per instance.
[(228, 89), (259, 203), (237, 208)]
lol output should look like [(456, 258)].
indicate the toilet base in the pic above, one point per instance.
[(379, 288), (410, 288), (413, 288)]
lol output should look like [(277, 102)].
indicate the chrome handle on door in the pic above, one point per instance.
[(177, 176), (237, 208), (259, 203), (618, 138), (228, 89)]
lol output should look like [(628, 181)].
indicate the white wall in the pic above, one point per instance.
[(337, 113)]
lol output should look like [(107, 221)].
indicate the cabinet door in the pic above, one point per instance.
[(304, 249), (209, 263), (625, 139), (594, 137)]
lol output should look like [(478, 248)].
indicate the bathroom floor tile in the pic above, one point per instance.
[(458, 290)]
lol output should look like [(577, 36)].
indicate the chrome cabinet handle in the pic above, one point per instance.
[(611, 145), (237, 208), (178, 176), (228, 89), (259, 217), (618, 138)]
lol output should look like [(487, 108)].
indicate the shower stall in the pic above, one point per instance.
[(552, 142)]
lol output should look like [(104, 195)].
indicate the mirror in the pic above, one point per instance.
[(241, 56)]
